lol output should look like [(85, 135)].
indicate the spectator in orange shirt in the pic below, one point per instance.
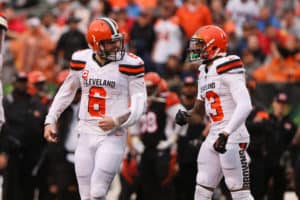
[(147, 4), (117, 4), (284, 66), (32, 50), (192, 15)]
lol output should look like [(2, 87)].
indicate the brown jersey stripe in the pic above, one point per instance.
[(137, 75), (132, 70), (131, 66), (229, 66), (77, 65)]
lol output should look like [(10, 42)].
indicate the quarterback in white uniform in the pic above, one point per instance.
[(110, 80), (223, 95)]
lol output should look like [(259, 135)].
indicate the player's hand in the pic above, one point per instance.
[(50, 133), (181, 117), (106, 123), (137, 144), (220, 143), (3, 160), (163, 145)]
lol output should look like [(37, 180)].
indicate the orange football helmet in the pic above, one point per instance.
[(152, 81), (104, 38), (207, 43), (163, 86)]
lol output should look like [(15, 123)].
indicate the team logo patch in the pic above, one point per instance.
[(85, 74)]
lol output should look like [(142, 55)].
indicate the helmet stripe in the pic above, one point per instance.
[(111, 25)]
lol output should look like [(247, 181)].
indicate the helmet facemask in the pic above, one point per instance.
[(112, 49), (152, 90), (196, 50)]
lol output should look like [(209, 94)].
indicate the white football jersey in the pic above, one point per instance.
[(217, 87), (105, 89)]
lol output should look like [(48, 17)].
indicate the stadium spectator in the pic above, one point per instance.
[(69, 42), (193, 14), (81, 9), (290, 23), (142, 38), (48, 22), (167, 33), (172, 73), (281, 132), (218, 12), (283, 66), (32, 50), (257, 124), (24, 126), (133, 9), (296, 148), (241, 11), (265, 18)]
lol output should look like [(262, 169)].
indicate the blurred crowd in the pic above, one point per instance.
[(43, 34)]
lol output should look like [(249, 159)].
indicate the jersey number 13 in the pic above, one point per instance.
[(215, 110)]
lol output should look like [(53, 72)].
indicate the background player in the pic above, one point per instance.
[(108, 77), (223, 93), (154, 137)]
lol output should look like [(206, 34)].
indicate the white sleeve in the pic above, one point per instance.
[(240, 95), (134, 129), (2, 117), (63, 97), (138, 98), (199, 97)]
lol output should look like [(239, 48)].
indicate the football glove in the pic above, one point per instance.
[(220, 143), (129, 169), (181, 117)]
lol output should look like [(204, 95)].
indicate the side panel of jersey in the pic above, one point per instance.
[(219, 104)]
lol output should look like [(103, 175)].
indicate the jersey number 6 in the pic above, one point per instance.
[(216, 112), (96, 106)]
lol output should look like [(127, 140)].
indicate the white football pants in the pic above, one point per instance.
[(97, 160), (233, 165)]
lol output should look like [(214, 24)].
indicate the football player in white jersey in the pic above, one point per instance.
[(223, 95), (110, 80), (3, 29)]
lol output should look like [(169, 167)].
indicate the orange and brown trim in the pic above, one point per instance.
[(77, 65), (225, 67), (132, 70)]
